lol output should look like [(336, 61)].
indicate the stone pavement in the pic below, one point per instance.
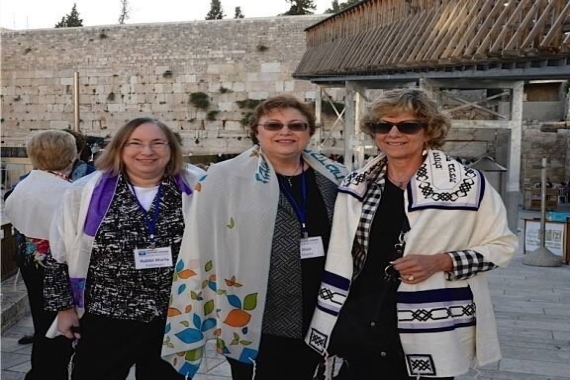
[(532, 306)]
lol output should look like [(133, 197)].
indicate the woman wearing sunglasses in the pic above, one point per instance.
[(253, 252), (404, 293)]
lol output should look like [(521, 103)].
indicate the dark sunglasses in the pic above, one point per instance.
[(408, 127), (296, 126)]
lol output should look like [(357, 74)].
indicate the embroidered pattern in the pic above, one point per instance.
[(333, 293), (421, 365), (318, 340), (442, 182), (435, 310)]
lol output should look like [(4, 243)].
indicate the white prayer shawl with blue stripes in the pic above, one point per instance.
[(445, 326)]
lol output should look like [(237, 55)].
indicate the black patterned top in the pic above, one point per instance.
[(114, 288)]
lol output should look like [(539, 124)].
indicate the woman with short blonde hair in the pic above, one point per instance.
[(51, 150), (30, 208)]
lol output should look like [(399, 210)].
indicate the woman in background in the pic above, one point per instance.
[(30, 208)]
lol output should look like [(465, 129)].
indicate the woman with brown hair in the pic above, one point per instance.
[(253, 252), (115, 240)]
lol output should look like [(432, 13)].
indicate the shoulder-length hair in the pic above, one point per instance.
[(415, 102), (111, 159), (280, 102), (51, 150)]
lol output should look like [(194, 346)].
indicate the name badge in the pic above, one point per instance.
[(312, 247), (147, 258)]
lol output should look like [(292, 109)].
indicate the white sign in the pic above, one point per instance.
[(553, 239), (153, 258)]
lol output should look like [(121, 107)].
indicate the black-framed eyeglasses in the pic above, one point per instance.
[(296, 126), (407, 127)]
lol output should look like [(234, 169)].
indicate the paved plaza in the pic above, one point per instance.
[(532, 306)]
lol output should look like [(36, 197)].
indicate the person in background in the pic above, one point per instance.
[(115, 240), (30, 208), (81, 167), (404, 294), (253, 252)]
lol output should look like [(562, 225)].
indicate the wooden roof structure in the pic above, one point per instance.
[(409, 39)]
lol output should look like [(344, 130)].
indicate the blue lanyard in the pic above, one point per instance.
[(301, 212), (151, 223)]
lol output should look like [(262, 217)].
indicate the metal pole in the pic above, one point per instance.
[(542, 256), (76, 101), (318, 119), (543, 202), (349, 118)]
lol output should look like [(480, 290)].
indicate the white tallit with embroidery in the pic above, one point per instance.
[(450, 208)]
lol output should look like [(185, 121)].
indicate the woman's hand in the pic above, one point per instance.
[(68, 324), (417, 268)]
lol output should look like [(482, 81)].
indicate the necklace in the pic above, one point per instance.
[(289, 178), (400, 184)]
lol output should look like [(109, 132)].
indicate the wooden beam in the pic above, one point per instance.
[(496, 28), (556, 28), (525, 24)]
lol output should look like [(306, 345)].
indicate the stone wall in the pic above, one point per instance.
[(130, 71), (555, 146), (139, 70)]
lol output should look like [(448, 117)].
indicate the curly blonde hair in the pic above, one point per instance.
[(415, 102)]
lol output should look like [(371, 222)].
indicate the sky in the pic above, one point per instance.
[(39, 14)]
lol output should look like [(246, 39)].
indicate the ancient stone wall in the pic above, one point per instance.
[(128, 71), (152, 69)]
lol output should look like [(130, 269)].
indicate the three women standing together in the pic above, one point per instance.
[(394, 283)]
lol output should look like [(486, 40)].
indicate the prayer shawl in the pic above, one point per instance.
[(32, 205), (444, 325), (76, 223), (220, 279)]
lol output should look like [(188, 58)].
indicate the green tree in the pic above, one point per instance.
[(300, 7), (336, 7), (216, 12), (71, 20), (125, 10), (238, 13)]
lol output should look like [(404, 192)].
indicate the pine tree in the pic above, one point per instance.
[(238, 13), (125, 10), (336, 7), (71, 20), (216, 12), (300, 7)]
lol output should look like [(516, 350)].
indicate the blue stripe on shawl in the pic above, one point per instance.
[(346, 190), (438, 329), (437, 295), (336, 280), (333, 292)]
